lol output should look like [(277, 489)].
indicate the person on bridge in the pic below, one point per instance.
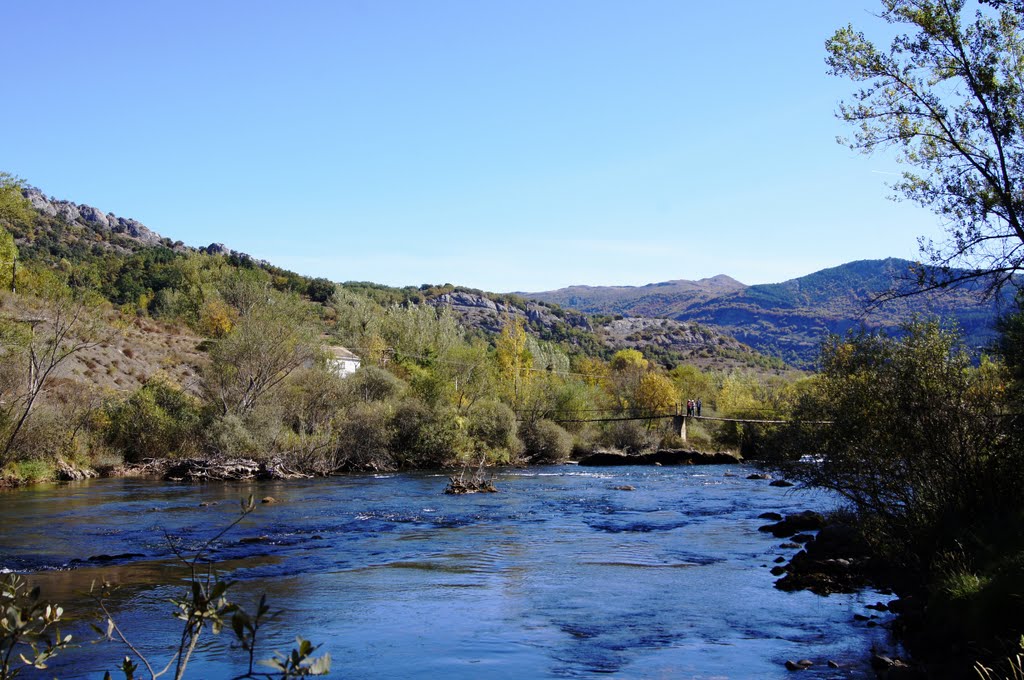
[(698, 405)]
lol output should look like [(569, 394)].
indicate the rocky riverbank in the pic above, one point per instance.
[(835, 558)]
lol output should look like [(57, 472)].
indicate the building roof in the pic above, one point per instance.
[(338, 352)]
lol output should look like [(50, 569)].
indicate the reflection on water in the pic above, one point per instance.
[(558, 575)]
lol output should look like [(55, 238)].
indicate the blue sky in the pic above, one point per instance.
[(504, 145)]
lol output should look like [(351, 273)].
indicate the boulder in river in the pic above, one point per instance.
[(808, 520)]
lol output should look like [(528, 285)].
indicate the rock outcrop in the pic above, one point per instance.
[(93, 218), (479, 311)]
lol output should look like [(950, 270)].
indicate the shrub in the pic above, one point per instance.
[(371, 383), (492, 425), (230, 436), (631, 436), (545, 442), (364, 438), (425, 437), (158, 420), (310, 400), (916, 442)]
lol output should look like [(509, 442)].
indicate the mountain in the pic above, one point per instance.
[(788, 320), (653, 300)]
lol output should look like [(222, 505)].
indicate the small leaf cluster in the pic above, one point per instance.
[(29, 628)]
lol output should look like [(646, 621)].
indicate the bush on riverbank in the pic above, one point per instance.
[(927, 450)]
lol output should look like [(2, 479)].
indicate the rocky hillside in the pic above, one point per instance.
[(788, 320), (93, 219), (75, 224), (132, 262), (666, 340)]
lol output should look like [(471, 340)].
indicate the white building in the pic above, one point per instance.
[(342, 361)]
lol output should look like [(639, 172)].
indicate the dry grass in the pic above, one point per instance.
[(143, 348)]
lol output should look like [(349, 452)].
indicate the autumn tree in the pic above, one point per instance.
[(655, 393), (628, 367), (272, 337), (948, 96), (515, 363)]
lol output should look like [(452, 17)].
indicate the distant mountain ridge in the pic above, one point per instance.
[(789, 319)]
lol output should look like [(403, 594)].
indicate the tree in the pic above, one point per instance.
[(272, 338), (320, 290), (655, 393), (8, 260), (40, 335), (948, 95), (515, 363), (916, 442), (14, 207)]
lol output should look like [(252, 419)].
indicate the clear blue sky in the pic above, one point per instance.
[(499, 144)]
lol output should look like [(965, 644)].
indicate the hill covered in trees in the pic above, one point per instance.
[(119, 344)]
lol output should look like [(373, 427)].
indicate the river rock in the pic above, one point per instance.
[(781, 482), (834, 562), (808, 520), (759, 475), (66, 472), (770, 516)]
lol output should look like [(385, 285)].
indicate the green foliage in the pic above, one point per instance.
[(156, 421), (948, 94), (364, 437), (545, 442), (273, 337), (425, 437), (1011, 347), (320, 290), (916, 438), (630, 436), (14, 207), (8, 260), (492, 427), (371, 383), (29, 628), (27, 471)]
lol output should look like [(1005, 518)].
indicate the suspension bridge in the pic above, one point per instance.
[(678, 417)]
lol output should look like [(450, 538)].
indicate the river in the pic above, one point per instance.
[(559, 575)]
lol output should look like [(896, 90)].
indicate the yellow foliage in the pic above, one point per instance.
[(514, 359), (594, 371), (628, 358), (217, 318), (655, 393)]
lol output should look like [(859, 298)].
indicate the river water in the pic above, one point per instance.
[(559, 575)]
